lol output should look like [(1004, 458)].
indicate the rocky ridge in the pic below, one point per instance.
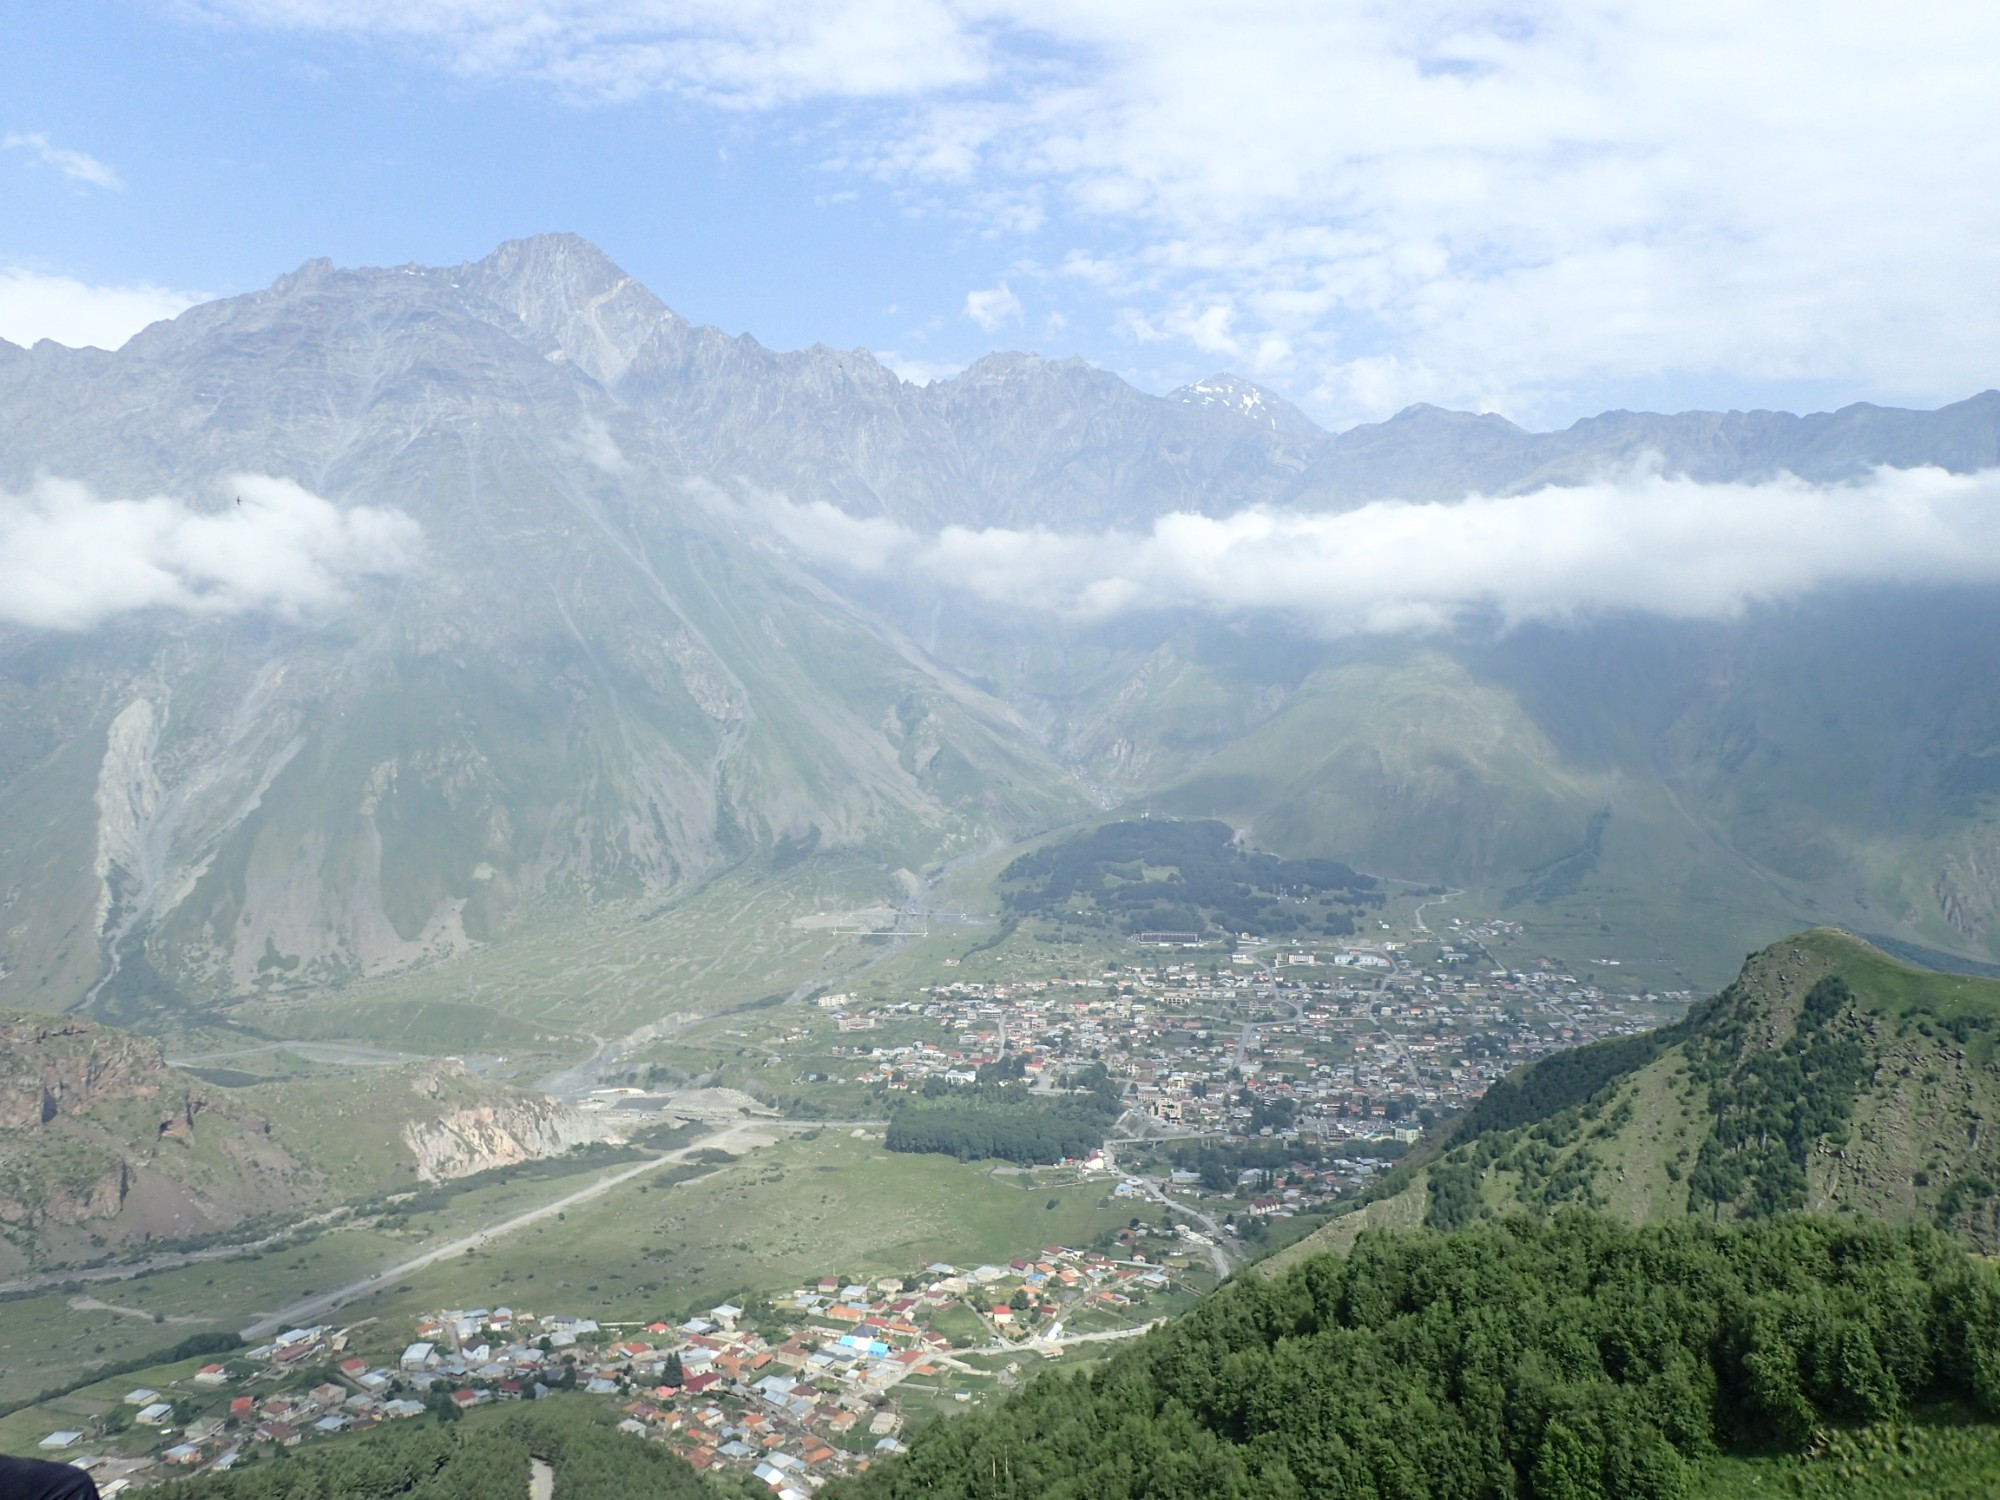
[(611, 681), (104, 1146)]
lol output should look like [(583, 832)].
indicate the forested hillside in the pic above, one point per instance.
[(1561, 1361), (480, 1458), (1191, 877), (1828, 1078)]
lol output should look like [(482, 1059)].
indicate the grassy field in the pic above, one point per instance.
[(767, 1221), (21, 1431), (55, 1337), (1945, 1458), (793, 1212)]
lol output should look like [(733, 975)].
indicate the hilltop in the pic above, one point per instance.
[(1828, 1077)]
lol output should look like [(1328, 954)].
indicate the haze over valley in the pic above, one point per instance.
[(558, 602), (1330, 828)]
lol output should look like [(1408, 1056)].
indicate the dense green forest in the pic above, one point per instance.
[(1167, 876), (1567, 1360), (1000, 1117), (484, 1456)]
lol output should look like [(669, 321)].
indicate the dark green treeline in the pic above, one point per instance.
[(1564, 1360)]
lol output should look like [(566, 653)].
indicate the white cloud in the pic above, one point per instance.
[(1638, 541), (597, 447), (993, 307), (1508, 205), (754, 53), (72, 164), (918, 371), (34, 306), (826, 532), (70, 558)]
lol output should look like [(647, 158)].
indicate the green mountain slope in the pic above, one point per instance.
[(1634, 786), (1567, 1361), (1829, 1077)]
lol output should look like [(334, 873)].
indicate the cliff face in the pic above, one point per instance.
[(52, 1066), (87, 1112), (468, 1137)]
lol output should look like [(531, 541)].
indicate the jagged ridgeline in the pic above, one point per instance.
[(1570, 1360), (1828, 1077), (1164, 875)]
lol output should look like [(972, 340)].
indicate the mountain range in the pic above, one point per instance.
[(602, 677)]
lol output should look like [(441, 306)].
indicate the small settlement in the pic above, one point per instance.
[(814, 1383)]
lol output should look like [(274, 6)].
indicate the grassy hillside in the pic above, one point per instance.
[(1829, 1077), (1407, 765), (1691, 790), (1415, 762)]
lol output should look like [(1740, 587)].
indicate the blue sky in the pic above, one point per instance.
[(1544, 209)]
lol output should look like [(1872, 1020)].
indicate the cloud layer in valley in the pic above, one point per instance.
[(1541, 207), (1640, 541), (70, 559)]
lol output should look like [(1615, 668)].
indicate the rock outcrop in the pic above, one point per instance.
[(58, 1065), (472, 1137)]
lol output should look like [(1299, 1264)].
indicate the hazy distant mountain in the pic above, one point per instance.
[(601, 685), (590, 691)]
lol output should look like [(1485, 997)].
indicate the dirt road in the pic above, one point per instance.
[(743, 1136)]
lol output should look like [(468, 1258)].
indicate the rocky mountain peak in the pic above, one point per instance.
[(575, 302), (309, 274), (1232, 393)]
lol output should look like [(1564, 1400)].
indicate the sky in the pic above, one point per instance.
[(1542, 209)]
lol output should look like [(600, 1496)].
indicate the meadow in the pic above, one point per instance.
[(824, 1202)]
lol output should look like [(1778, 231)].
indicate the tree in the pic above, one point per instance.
[(1568, 1360), (1565, 1468)]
